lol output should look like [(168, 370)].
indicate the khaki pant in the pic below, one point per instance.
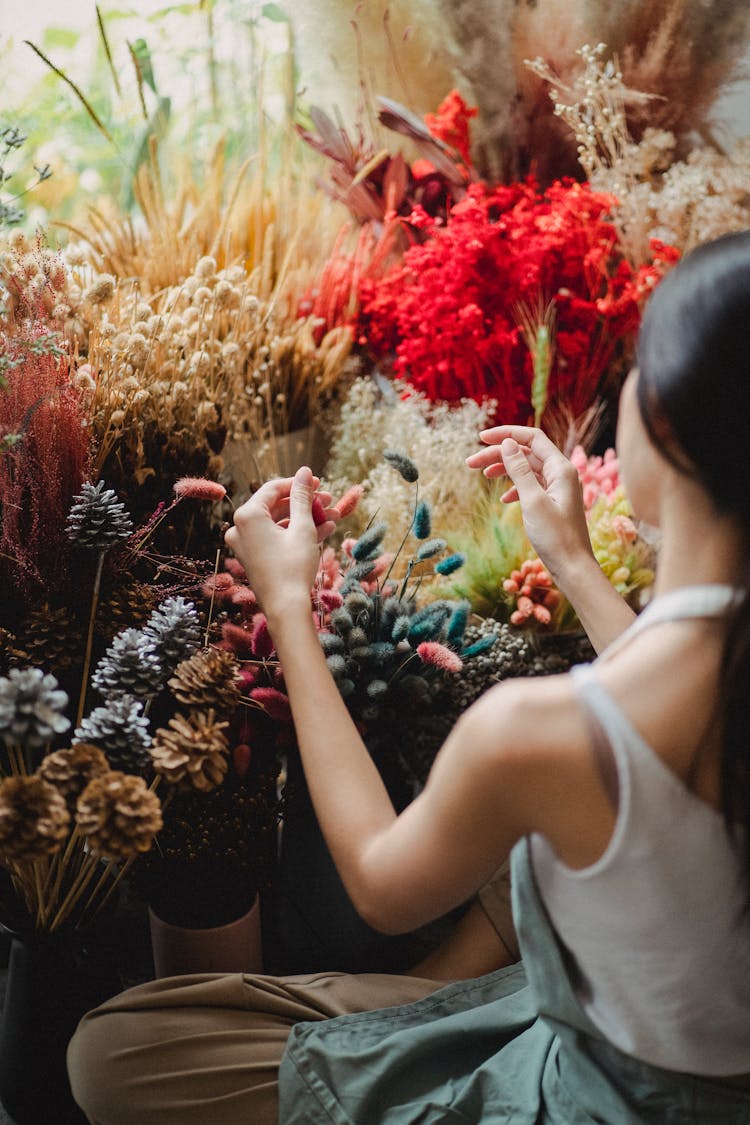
[(206, 1049)]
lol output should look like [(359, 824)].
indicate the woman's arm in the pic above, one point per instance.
[(547, 485), (498, 776)]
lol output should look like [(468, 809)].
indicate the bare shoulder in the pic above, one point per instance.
[(534, 732)]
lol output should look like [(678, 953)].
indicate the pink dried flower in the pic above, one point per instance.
[(535, 593), (328, 600), (241, 756), (624, 529), (349, 501), (218, 586), (262, 644), (598, 475), (234, 567), (432, 652), (247, 677), (318, 511), (243, 596), (273, 702), (198, 488), (239, 639), (347, 545)]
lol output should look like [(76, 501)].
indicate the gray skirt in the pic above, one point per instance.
[(512, 1048)]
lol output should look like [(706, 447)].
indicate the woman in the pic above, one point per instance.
[(623, 790)]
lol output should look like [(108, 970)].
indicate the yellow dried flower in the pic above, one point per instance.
[(101, 290)]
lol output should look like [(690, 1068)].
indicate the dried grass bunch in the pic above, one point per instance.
[(379, 414), (682, 200), (682, 52)]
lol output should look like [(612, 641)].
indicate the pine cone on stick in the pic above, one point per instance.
[(209, 678), (31, 708), (174, 628), (97, 519), (192, 752), (119, 815), (34, 819), (71, 770), (130, 666), (121, 730), (50, 638)]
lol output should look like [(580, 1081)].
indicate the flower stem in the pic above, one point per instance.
[(90, 637)]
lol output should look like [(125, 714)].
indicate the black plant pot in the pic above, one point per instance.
[(51, 984), (317, 927)]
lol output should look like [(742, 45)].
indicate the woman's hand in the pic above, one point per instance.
[(547, 485), (276, 537)]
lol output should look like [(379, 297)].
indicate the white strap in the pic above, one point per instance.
[(680, 604)]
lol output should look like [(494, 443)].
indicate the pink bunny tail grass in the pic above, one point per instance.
[(262, 642), (328, 600), (240, 640), (234, 567), (318, 511), (243, 596), (219, 586), (241, 758), (432, 652), (273, 702), (350, 500), (347, 544), (198, 488)]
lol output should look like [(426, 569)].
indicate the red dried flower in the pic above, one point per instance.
[(262, 643), (451, 124), (449, 310)]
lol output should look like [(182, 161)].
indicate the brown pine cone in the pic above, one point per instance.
[(33, 819), (71, 770), (119, 815), (49, 638), (125, 606), (209, 678), (192, 752)]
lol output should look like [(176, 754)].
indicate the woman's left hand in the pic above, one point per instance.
[(276, 537)]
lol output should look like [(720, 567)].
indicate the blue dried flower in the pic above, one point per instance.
[(362, 570), (376, 689), (341, 620), (450, 564), (422, 520), (479, 646), (336, 665), (368, 545), (458, 623), (346, 688), (401, 628), (330, 643), (431, 548), (402, 464), (379, 652)]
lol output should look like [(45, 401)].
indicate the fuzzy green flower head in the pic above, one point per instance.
[(403, 464)]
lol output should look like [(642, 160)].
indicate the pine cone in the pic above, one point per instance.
[(124, 606), (97, 519), (34, 820), (121, 730), (192, 752), (50, 638), (31, 708), (130, 666), (119, 815), (210, 678), (174, 628), (71, 770)]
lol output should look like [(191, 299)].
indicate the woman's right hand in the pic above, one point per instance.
[(547, 485)]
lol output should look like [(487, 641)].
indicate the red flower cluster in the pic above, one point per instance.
[(449, 311), (451, 124)]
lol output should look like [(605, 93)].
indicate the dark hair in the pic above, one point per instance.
[(694, 397)]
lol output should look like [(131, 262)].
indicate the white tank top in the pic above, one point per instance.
[(658, 945)]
